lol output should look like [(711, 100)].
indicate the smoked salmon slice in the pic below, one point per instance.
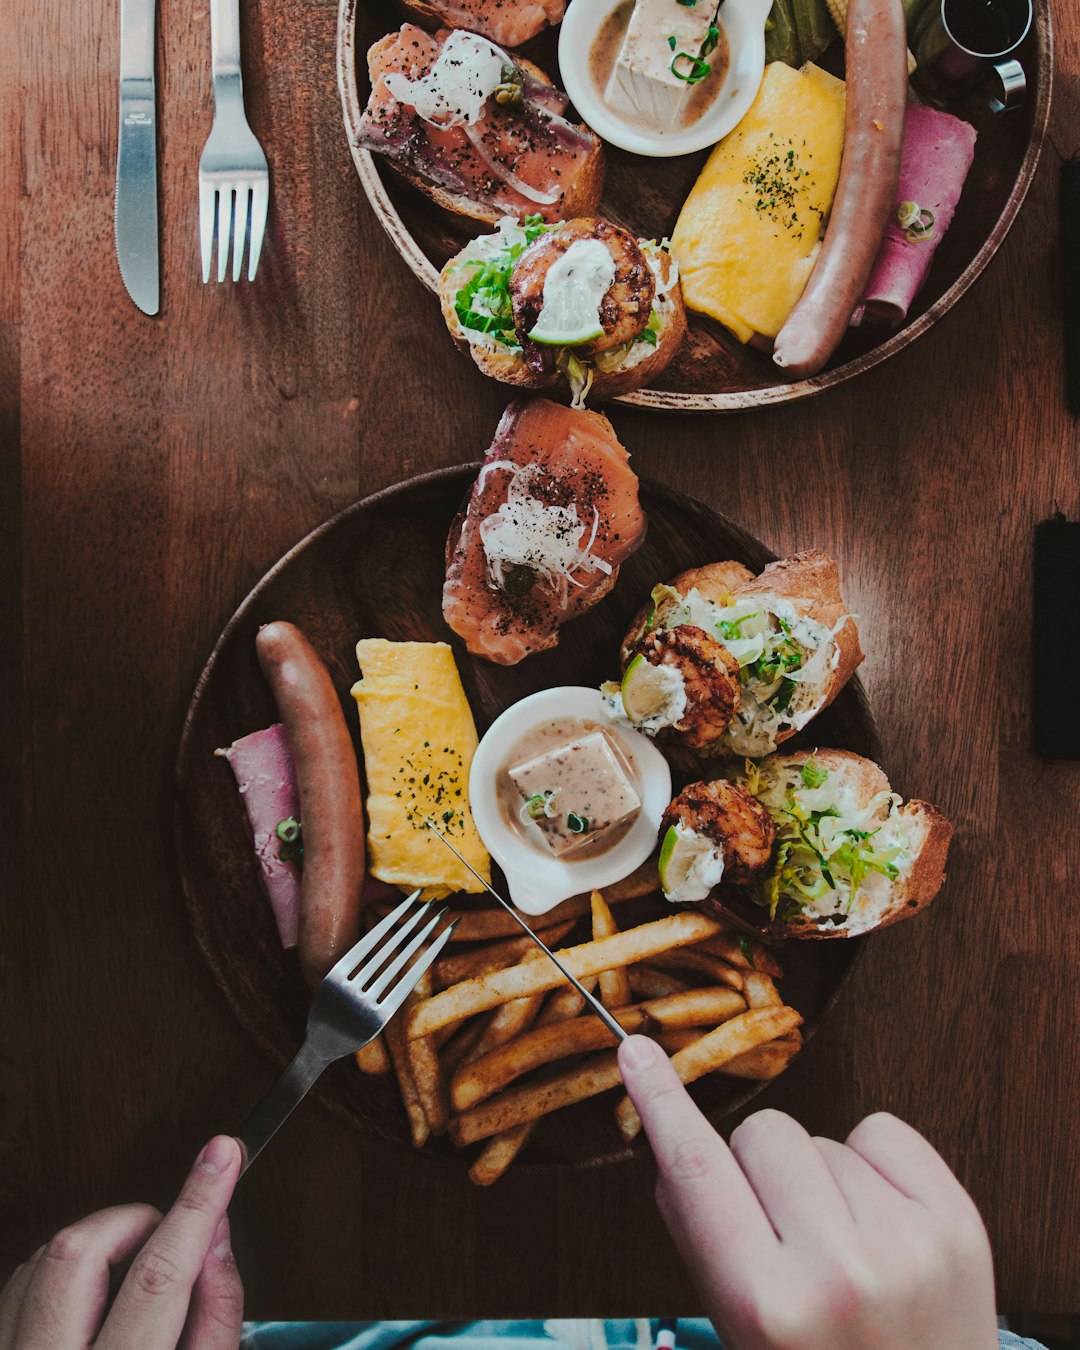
[(507, 22), (519, 157), (552, 515)]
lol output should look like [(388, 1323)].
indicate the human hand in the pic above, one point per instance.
[(797, 1243), (181, 1288)]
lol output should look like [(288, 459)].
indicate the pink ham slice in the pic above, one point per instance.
[(937, 154), (263, 766)]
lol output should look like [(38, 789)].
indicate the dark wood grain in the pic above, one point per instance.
[(153, 470), (713, 372)]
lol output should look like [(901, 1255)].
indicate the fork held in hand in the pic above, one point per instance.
[(349, 1008), (233, 173)]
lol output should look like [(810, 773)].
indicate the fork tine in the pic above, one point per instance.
[(399, 961), (243, 199), (224, 230), (401, 991), (260, 204), (387, 948), (355, 955), (207, 211)]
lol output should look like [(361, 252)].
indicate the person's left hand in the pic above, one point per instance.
[(182, 1288)]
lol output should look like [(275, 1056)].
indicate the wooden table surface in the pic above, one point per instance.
[(153, 469)]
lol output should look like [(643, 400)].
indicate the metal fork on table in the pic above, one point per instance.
[(349, 1008), (233, 174)]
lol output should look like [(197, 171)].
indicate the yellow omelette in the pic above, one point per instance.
[(419, 738), (749, 232)]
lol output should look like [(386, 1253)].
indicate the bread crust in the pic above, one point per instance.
[(808, 580), (579, 198), (427, 16), (924, 878), (511, 368)]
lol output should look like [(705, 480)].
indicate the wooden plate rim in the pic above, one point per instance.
[(182, 843), (661, 400)]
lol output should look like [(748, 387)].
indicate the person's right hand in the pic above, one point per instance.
[(797, 1243), (181, 1287)]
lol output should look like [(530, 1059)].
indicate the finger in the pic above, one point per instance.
[(67, 1293), (11, 1300), (873, 1202), (217, 1301), (150, 1310), (702, 1192), (907, 1162), (790, 1179)]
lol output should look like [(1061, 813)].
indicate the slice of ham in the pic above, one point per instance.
[(262, 764), (936, 157)]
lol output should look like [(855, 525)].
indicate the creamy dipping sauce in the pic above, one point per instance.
[(698, 98), (568, 789)]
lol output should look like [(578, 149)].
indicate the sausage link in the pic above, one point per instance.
[(875, 55), (331, 812)]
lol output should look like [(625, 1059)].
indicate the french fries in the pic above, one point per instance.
[(488, 991), (494, 1038), (464, 965), (614, 984), (750, 1029)]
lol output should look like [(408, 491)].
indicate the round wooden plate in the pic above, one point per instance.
[(713, 372), (377, 570)]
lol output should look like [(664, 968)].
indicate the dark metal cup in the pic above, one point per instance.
[(952, 58)]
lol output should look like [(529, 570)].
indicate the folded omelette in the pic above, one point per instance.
[(749, 232), (419, 738)]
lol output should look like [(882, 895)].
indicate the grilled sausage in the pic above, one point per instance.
[(627, 303), (875, 54), (330, 808)]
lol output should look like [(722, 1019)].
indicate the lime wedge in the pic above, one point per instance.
[(646, 690), (573, 320), (689, 866), (573, 290)]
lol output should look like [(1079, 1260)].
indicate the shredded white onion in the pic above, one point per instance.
[(454, 91), (525, 532)]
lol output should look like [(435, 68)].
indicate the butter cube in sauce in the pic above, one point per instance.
[(578, 793)]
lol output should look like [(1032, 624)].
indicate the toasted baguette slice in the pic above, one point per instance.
[(809, 581), (580, 197), (928, 834), (510, 367), (506, 26)]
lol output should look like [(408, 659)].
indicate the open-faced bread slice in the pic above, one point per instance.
[(509, 25), (808, 649), (581, 190), (610, 375), (849, 856)]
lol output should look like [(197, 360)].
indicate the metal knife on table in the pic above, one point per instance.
[(136, 212)]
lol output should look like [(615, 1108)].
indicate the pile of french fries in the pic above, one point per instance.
[(493, 1038)]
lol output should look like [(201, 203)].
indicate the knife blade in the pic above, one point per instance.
[(136, 211), (595, 1004)]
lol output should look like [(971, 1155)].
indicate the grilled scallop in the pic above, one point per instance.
[(710, 680), (730, 818), (628, 302)]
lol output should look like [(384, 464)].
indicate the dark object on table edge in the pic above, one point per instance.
[(1055, 636)]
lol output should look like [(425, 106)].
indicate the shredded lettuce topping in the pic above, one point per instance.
[(482, 305), (834, 857)]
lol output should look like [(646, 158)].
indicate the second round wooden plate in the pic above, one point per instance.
[(376, 570), (713, 372)]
